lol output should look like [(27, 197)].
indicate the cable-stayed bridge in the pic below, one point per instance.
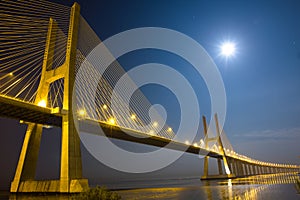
[(42, 47)]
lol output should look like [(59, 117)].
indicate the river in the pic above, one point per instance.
[(265, 187)]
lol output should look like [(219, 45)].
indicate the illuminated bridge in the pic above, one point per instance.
[(42, 47)]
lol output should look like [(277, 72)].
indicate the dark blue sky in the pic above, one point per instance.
[(262, 80)]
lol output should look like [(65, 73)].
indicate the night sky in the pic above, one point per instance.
[(262, 80)]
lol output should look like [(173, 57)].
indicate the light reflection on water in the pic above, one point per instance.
[(275, 186)]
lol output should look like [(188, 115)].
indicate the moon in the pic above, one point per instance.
[(228, 49)]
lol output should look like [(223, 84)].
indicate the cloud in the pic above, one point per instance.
[(282, 134)]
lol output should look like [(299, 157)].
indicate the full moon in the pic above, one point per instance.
[(228, 49)]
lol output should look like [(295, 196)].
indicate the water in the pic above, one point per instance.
[(280, 186), (276, 186)]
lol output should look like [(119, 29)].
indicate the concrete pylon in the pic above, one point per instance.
[(71, 180), (228, 173)]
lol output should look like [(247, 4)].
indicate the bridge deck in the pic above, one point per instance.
[(134, 136), (29, 112), (16, 109)]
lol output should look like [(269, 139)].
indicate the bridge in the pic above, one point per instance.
[(42, 46)]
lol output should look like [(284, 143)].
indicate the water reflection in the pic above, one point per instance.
[(254, 187), (41, 196), (297, 185)]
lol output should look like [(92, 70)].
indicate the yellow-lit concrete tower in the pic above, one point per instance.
[(71, 165), (228, 173)]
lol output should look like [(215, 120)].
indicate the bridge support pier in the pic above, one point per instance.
[(28, 158), (235, 167), (246, 169), (71, 180), (254, 169), (241, 168), (220, 166), (250, 169), (231, 165)]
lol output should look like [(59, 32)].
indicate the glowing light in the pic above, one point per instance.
[(112, 121), (81, 112), (42, 103), (104, 107), (228, 49), (133, 116), (11, 74), (229, 183), (47, 126), (187, 142), (155, 124), (169, 129), (195, 144), (227, 170), (151, 132)]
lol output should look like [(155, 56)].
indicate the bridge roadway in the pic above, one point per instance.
[(22, 110), (29, 112)]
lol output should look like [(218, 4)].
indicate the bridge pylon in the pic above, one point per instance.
[(71, 180), (228, 173)]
